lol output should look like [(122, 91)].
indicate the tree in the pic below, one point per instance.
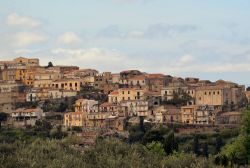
[(3, 117), (205, 150), (50, 64), (196, 146), (218, 143), (248, 88)]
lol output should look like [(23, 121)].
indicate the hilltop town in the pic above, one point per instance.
[(104, 100), (73, 109)]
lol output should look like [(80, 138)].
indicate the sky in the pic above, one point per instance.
[(209, 39)]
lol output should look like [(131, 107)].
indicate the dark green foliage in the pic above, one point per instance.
[(3, 117), (180, 98), (219, 143), (76, 129), (33, 104), (196, 145), (50, 64), (238, 152), (60, 105)]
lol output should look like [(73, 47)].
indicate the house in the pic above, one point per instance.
[(136, 107), (156, 82), (85, 105), (23, 116), (10, 86), (125, 94), (167, 114), (247, 93), (233, 117), (137, 81), (195, 114), (75, 119), (81, 73), (67, 84), (59, 93)]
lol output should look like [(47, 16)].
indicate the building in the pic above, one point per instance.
[(25, 117), (136, 107), (229, 117), (156, 82), (201, 115), (81, 73), (85, 105), (75, 119), (247, 93), (168, 114), (10, 86), (213, 95), (67, 84), (126, 94)]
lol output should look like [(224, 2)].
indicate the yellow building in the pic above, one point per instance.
[(200, 115), (213, 95), (126, 94), (247, 93), (67, 84), (75, 119), (43, 84), (27, 61)]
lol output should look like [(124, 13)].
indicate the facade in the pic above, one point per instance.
[(85, 105), (25, 117), (67, 84), (126, 94), (200, 115), (75, 119)]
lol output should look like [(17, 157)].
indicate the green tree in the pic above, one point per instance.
[(50, 64), (156, 148), (196, 145), (3, 117), (218, 143)]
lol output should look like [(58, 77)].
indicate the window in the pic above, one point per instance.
[(205, 93), (218, 92), (122, 92), (128, 92)]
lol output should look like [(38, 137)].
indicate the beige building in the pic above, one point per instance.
[(213, 95), (68, 84), (200, 115), (75, 119), (85, 105), (126, 94), (247, 93)]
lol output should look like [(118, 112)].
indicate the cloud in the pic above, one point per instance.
[(155, 31), (112, 31), (15, 20), (23, 39), (91, 57), (186, 59), (68, 38), (161, 30)]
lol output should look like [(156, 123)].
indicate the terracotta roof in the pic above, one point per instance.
[(115, 92), (139, 77), (73, 113), (106, 104), (215, 87), (20, 110), (155, 75), (128, 71)]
